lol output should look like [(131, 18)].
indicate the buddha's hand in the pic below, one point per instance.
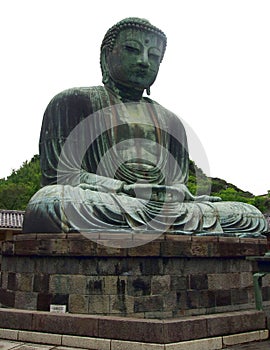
[(158, 193), (190, 197)]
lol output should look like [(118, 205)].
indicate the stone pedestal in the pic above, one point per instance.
[(169, 277)]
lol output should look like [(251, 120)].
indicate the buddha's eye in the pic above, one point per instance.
[(154, 54), (132, 49), (154, 57)]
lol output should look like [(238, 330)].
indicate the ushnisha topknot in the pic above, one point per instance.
[(131, 22)]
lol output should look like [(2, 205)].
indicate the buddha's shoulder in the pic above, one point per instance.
[(75, 95)]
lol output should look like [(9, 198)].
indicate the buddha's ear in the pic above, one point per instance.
[(104, 66)]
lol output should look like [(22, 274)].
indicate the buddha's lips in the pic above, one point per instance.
[(141, 72)]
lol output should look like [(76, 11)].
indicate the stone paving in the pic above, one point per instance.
[(264, 345), (15, 345)]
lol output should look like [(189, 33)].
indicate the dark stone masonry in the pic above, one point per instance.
[(169, 277)]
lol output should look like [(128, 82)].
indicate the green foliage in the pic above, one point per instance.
[(19, 187), (263, 203), (231, 194), (199, 183)]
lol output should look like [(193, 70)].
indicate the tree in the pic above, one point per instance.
[(20, 186)]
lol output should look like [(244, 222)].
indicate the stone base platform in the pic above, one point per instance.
[(116, 333), (169, 277)]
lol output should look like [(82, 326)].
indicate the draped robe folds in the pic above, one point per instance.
[(91, 144)]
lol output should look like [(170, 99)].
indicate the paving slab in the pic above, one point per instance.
[(7, 344), (12, 345), (263, 345)]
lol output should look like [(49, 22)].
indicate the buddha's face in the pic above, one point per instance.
[(135, 58)]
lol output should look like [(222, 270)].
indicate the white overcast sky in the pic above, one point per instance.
[(215, 74)]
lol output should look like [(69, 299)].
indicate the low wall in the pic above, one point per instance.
[(169, 277)]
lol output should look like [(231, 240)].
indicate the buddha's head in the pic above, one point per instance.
[(131, 53)]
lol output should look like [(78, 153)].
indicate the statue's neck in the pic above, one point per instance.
[(124, 93)]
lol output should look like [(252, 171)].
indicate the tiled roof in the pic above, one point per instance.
[(11, 219)]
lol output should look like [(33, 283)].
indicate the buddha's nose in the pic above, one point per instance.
[(144, 60)]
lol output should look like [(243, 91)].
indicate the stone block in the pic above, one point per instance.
[(11, 334), (88, 266), (149, 249), (160, 315), (41, 283), (44, 300), (26, 300), (173, 248), (25, 264), (193, 299), (67, 284), (40, 337), (200, 249), (78, 303), (57, 265), (266, 280), (185, 328), (139, 285), (115, 285), (86, 342), (249, 247), (104, 249), (28, 247), (246, 279), (8, 263), (264, 334), (81, 247), (7, 298), (170, 302), (200, 344), (181, 300), (111, 266), (241, 338), (239, 296), (4, 280), (25, 282), (7, 248), (151, 266), (160, 284), (95, 285), (178, 238), (223, 297), (179, 283), (266, 293), (80, 325), (99, 304), (235, 322), (53, 247), (132, 329), (223, 281), (8, 345), (124, 345), (12, 281), (229, 247), (198, 281), (15, 319), (48, 236), (148, 303), (121, 304)]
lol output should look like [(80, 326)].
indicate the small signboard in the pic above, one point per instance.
[(60, 309)]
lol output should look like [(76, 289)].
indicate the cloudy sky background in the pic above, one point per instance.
[(215, 74)]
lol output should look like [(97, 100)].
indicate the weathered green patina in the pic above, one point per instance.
[(113, 159)]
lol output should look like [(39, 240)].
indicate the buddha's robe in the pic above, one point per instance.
[(91, 144)]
